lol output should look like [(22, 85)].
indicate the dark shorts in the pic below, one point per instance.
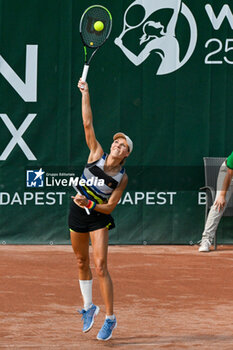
[(79, 221)]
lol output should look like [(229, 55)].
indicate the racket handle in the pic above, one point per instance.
[(85, 71), (87, 210)]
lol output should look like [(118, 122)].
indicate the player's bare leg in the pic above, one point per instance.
[(80, 244), (99, 239), (100, 249)]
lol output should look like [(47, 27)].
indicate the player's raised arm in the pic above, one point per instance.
[(95, 148)]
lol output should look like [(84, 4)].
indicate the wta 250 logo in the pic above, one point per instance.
[(157, 37)]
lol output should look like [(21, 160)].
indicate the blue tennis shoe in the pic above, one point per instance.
[(106, 331), (88, 317)]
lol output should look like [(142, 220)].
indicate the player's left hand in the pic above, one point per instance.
[(80, 200)]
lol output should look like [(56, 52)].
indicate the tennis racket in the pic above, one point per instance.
[(92, 39), (87, 210)]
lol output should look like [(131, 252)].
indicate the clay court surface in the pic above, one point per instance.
[(166, 297)]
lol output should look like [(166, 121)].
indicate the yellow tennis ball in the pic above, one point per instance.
[(98, 26), (91, 43)]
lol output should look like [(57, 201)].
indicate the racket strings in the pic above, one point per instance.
[(90, 36)]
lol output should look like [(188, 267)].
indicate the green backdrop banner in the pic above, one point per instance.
[(164, 77)]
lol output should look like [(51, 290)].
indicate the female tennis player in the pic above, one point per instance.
[(101, 201)]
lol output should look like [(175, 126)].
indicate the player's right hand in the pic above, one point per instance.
[(83, 86)]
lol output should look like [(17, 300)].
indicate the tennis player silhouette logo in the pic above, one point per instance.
[(156, 37)]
